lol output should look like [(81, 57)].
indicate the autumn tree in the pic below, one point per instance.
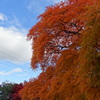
[(14, 93), (66, 37), (37, 89), (89, 65)]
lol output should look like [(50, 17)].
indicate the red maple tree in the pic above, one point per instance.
[(66, 45)]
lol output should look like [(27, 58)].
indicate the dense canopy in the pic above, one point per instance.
[(66, 45)]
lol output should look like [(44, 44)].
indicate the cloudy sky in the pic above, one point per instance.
[(16, 18)]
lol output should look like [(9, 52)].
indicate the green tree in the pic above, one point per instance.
[(5, 89)]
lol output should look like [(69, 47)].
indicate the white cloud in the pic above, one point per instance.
[(11, 72), (55, 1), (14, 21), (13, 45), (3, 17), (22, 75)]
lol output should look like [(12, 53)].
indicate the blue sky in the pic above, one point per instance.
[(16, 18)]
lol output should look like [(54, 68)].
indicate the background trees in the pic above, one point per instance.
[(14, 93), (5, 89), (66, 45), (10, 91)]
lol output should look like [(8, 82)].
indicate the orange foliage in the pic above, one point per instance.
[(66, 45), (37, 89)]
